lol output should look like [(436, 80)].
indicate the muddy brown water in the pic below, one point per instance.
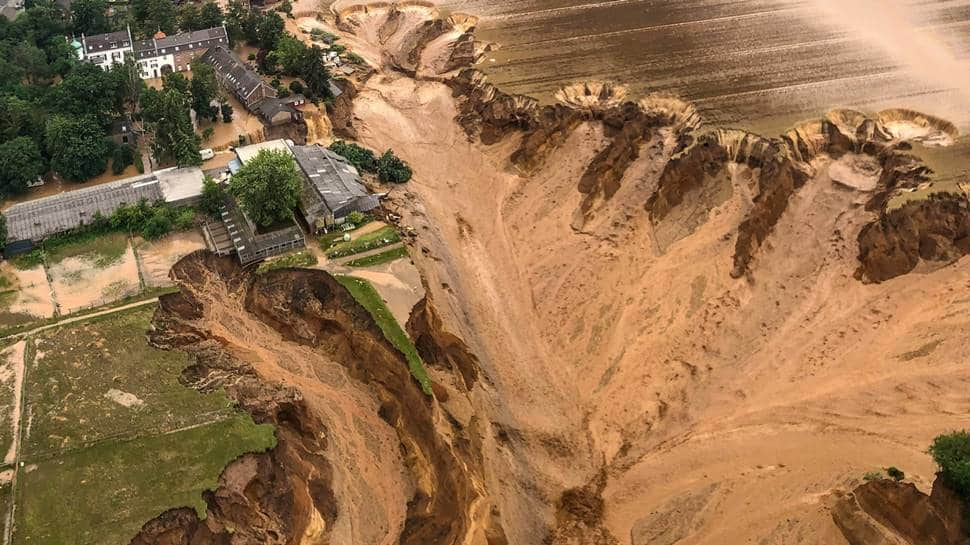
[(761, 65)]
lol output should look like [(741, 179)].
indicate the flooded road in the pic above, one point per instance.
[(761, 65)]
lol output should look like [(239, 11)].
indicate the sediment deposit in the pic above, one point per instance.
[(642, 328)]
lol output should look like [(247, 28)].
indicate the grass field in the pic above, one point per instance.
[(367, 296), (103, 248), (114, 439), (375, 239), (303, 258), (378, 259)]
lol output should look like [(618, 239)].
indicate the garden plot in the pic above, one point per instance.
[(156, 258), (93, 273), (25, 295)]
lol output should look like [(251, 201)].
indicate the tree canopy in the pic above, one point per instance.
[(166, 116), (952, 454), (76, 146), (90, 16), (204, 90), (268, 187), (192, 16), (20, 164), (390, 168), (362, 158)]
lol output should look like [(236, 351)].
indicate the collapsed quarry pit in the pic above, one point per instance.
[(641, 329)]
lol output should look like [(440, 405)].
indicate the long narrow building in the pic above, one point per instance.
[(156, 56)]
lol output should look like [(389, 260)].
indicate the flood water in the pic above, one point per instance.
[(761, 65)]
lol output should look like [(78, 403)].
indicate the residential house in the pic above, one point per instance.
[(156, 56)]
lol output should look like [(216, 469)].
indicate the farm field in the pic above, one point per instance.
[(114, 439)]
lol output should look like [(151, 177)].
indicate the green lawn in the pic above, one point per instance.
[(103, 248), (375, 239), (303, 258), (114, 438), (367, 296), (105, 493), (383, 257)]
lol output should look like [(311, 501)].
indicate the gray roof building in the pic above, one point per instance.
[(235, 233), (237, 77), (42, 218), (195, 39), (332, 187), (106, 42)]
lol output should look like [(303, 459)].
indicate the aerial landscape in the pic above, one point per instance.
[(550, 272)]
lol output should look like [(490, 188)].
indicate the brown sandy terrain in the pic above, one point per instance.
[(398, 283), (79, 283), (640, 331), (12, 376), (33, 296), (723, 410), (157, 257)]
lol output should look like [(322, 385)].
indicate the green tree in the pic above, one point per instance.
[(236, 20), (392, 169), (204, 89), (77, 147), (285, 7), (194, 16), (176, 81), (895, 473), (89, 91), (149, 16), (89, 16), (363, 159), (210, 15), (314, 73), (166, 116), (190, 16), (952, 454), (213, 196), (20, 164), (268, 187), (267, 30), (289, 54)]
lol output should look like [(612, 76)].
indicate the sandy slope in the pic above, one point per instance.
[(721, 410)]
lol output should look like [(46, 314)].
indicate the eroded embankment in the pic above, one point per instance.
[(782, 164), (885, 511), (288, 495)]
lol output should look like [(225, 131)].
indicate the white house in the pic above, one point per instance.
[(156, 56)]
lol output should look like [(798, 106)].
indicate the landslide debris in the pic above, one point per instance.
[(889, 512), (936, 229), (287, 493)]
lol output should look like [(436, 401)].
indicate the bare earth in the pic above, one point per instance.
[(156, 258), (79, 283), (33, 291), (750, 401)]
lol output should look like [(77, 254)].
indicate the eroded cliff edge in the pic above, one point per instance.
[(287, 495)]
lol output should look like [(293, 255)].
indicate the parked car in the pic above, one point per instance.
[(207, 154)]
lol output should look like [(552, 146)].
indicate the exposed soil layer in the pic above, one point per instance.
[(599, 376), (289, 492), (884, 511)]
